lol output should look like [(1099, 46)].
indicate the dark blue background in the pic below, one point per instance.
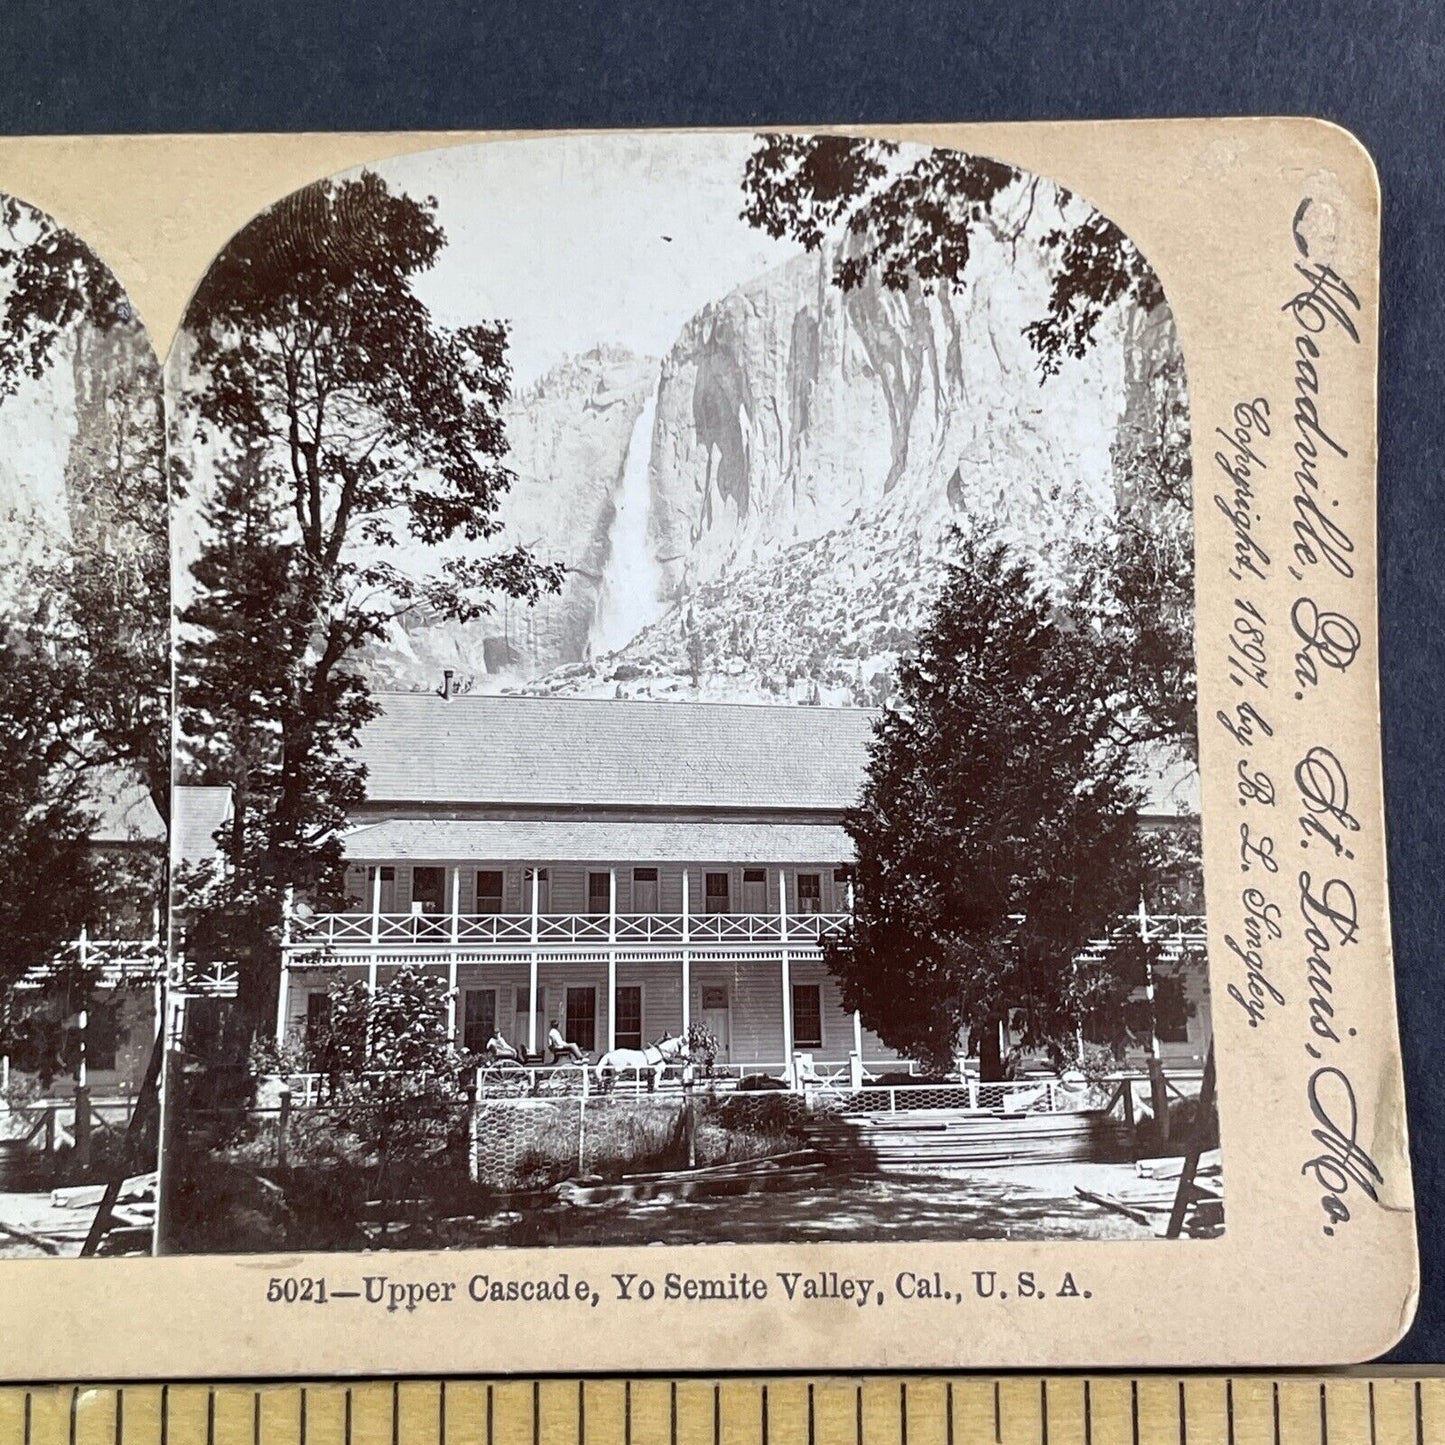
[(176, 65)]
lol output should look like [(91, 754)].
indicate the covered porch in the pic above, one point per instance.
[(619, 931)]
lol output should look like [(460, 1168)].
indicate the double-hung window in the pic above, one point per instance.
[(489, 890), (807, 1016), (715, 893)]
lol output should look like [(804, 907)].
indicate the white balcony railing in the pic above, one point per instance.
[(1175, 934), (552, 930), (109, 962)]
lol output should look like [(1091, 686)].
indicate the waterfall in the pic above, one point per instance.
[(631, 584)]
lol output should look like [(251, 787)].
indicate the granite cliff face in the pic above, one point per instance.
[(59, 436), (790, 409), (569, 434), (806, 451)]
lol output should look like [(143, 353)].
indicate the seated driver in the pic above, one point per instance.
[(500, 1051), (560, 1046)]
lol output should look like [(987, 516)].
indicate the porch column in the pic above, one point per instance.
[(686, 960), (857, 1017), (532, 977), (283, 998), (1158, 1089), (376, 904), (452, 958), (283, 1002), (787, 978), (611, 959)]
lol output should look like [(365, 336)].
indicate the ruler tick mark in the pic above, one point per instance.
[(581, 1412), (672, 1413), (74, 1410), (210, 1417), (1419, 1414), (902, 1413), (166, 1414), (1275, 1390), (997, 1414), (1372, 1412), (256, 1418), (119, 1416), (626, 1412), (765, 1415), (1183, 1417), (858, 1415), (1324, 1417), (1134, 1409), (396, 1412), (302, 1415), (489, 1415), (717, 1415), (1088, 1415), (1229, 1409), (346, 1418), (536, 1412), (1043, 1412), (812, 1427), (948, 1413)]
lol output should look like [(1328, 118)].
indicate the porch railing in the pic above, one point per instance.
[(360, 930), (1041, 1094), (107, 961)]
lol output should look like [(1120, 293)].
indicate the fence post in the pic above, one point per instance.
[(972, 1093), (892, 1099), (582, 1115), (50, 1129), (283, 1122), (474, 1143), (82, 1125), (1128, 1093), (1159, 1100)]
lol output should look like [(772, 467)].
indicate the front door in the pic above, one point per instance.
[(479, 1019), (580, 1022), (522, 1013), (755, 890), (429, 887), (716, 1017)]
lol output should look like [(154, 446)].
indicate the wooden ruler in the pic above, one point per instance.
[(1373, 1409)]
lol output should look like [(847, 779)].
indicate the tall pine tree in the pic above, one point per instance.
[(997, 833), (347, 430), (84, 611)]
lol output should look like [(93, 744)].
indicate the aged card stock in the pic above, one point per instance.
[(695, 750)]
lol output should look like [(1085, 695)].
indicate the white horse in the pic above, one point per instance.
[(652, 1060)]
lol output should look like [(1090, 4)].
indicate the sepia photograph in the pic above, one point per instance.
[(85, 622), (686, 711)]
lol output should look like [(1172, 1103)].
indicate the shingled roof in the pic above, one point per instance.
[(478, 749), (572, 752), (569, 840)]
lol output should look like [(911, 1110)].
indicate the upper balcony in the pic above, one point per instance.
[(308, 930)]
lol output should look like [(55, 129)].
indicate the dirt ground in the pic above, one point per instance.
[(30, 1214), (1023, 1202)]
